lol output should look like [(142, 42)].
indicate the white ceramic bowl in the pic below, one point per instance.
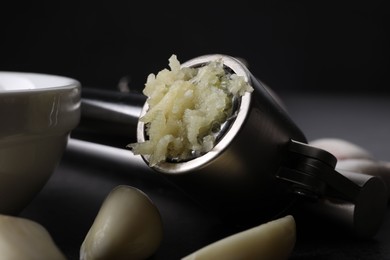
[(37, 114)]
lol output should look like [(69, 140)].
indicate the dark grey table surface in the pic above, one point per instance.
[(72, 197)]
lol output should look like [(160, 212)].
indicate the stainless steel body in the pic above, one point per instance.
[(237, 177), (261, 165)]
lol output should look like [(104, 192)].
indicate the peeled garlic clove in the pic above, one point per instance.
[(25, 239), (127, 226), (272, 240)]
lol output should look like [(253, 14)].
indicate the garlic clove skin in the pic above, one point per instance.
[(25, 239), (127, 226), (272, 240)]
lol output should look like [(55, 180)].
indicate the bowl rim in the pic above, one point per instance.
[(65, 82)]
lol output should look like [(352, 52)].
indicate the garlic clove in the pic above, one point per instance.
[(21, 238), (127, 226), (272, 240)]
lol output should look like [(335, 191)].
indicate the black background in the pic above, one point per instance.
[(332, 46)]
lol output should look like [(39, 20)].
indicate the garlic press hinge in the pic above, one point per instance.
[(311, 173)]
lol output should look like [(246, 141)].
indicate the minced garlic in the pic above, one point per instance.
[(185, 107)]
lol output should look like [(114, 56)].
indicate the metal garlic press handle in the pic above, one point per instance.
[(109, 117), (353, 200)]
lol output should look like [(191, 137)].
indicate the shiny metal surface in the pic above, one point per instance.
[(244, 178), (364, 215), (237, 177)]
